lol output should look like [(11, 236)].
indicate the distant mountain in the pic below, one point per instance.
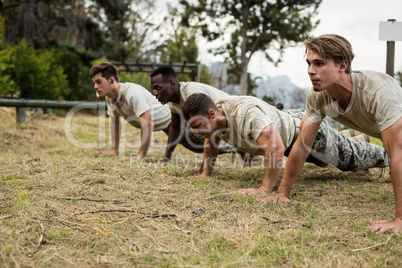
[(281, 89), (278, 89)]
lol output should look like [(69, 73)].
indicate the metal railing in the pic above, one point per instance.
[(22, 105)]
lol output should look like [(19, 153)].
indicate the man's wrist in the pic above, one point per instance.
[(206, 173), (282, 193)]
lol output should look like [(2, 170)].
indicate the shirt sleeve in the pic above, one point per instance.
[(139, 102), (254, 123), (387, 106), (313, 112), (111, 111), (173, 108)]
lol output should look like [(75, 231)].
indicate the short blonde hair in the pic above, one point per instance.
[(331, 46)]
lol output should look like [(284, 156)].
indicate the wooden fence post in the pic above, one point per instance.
[(21, 115), (47, 110)]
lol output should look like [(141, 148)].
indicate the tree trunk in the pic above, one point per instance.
[(78, 12), (244, 79), (244, 49), (29, 20)]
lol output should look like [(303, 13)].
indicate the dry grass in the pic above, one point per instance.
[(109, 212)]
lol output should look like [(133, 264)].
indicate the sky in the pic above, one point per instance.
[(356, 20)]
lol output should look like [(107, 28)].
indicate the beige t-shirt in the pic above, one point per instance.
[(133, 101), (247, 116), (375, 105), (189, 88)]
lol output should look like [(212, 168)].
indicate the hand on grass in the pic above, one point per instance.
[(274, 199), (137, 158), (112, 152), (380, 227), (194, 172), (253, 191), (163, 160), (199, 176)]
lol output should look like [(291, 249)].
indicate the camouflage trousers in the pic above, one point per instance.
[(195, 143), (332, 147)]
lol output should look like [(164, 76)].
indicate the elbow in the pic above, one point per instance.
[(275, 152), (280, 151), (147, 124)]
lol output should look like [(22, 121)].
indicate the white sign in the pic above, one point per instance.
[(390, 31)]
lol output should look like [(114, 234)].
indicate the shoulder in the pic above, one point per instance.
[(316, 104), (372, 80), (191, 86), (131, 90), (240, 104), (132, 86), (108, 100), (196, 87), (317, 99)]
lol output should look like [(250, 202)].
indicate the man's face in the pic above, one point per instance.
[(102, 85), (323, 72), (162, 89), (203, 125)]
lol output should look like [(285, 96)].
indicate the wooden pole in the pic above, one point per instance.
[(390, 55)]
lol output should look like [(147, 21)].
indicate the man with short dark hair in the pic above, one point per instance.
[(131, 101), (168, 90), (368, 101), (258, 128)]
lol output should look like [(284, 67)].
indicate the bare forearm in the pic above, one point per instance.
[(396, 176), (145, 140), (272, 167), (115, 132), (172, 141), (209, 161), (209, 157), (293, 168)]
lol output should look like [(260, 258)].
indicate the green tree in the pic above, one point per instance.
[(76, 66), (251, 26), (398, 77), (47, 23), (146, 41), (68, 30), (182, 48), (113, 16), (181, 44), (139, 78), (36, 73), (205, 75), (7, 85), (269, 99), (181, 41)]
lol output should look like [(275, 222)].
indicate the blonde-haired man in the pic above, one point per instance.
[(368, 101)]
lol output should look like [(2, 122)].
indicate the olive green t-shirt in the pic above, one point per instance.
[(247, 116), (134, 100), (375, 105), (189, 88)]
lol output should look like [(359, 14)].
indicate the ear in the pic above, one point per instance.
[(211, 113), (173, 83), (111, 80), (343, 66)]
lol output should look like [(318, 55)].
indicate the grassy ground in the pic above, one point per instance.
[(95, 211)]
